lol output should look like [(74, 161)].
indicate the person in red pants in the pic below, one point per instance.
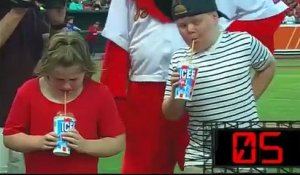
[(140, 44), (141, 41)]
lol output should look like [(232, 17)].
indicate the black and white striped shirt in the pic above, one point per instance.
[(223, 90)]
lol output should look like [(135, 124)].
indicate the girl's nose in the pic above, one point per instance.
[(67, 87)]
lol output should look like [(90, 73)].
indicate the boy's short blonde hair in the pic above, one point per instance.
[(66, 49)]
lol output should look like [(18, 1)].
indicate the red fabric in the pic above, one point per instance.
[(96, 116), (263, 29), (153, 144), (153, 11), (115, 69)]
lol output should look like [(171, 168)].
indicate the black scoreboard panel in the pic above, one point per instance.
[(264, 147), (257, 147)]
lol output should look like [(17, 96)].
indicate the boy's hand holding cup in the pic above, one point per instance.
[(187, 78), (186, 82)]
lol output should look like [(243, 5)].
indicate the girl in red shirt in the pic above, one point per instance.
[(67, 67)]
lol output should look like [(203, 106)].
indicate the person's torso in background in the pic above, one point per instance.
[(92, 34), (151, 46), (249, 10), (25, 45), (19, 55)]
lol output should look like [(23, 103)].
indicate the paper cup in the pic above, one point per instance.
[(62, 124), (187, 78)]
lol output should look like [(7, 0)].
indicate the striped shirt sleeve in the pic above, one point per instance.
[(260, 55)]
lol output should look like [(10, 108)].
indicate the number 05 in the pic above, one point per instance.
[(251, 142)]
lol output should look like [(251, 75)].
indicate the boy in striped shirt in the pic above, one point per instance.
[(224, 89)]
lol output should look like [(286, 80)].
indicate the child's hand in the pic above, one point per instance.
[(75, 140), (174, 81), (48, 141)]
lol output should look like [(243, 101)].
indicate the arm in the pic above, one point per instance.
[(9, 23), (104, 147), (262, 79), (263, 62), (22, 142), (17, 125), (173, 109), (56, 19), (77, 28)]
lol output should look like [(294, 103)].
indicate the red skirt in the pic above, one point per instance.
[(263, 29), (153, 144)]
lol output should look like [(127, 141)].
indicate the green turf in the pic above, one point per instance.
[(288, 62), (281, 101), (111, 165)]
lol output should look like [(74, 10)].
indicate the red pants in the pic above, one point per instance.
[(263, 29), (153, 144)]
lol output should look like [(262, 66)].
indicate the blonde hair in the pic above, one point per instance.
[(66, 49)]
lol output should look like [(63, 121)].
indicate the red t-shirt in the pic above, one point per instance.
[(96, 117)]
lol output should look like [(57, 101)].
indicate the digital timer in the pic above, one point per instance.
[(256, 147)]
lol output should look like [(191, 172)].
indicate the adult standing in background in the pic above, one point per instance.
[(23, 32), (91, 38), (141, 43), (141, 40)]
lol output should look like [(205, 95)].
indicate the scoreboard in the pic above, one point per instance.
[(252, 147), (257, 147)]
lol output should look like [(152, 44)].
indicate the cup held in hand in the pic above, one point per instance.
[(187, 79), (62, 123)]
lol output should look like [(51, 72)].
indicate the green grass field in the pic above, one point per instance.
[(281, 101)]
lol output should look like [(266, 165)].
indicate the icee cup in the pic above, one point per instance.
[(187, 78), (63, 123)]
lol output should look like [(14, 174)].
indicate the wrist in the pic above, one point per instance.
[(37, 143), (84, 148), (176, 102)]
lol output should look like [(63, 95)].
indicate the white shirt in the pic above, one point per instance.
[(149, 42), (289, 20), (246, 10)]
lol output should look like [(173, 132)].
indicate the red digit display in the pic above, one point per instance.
[(238, 154), (251, 141), (264, 147), (256, 147)]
